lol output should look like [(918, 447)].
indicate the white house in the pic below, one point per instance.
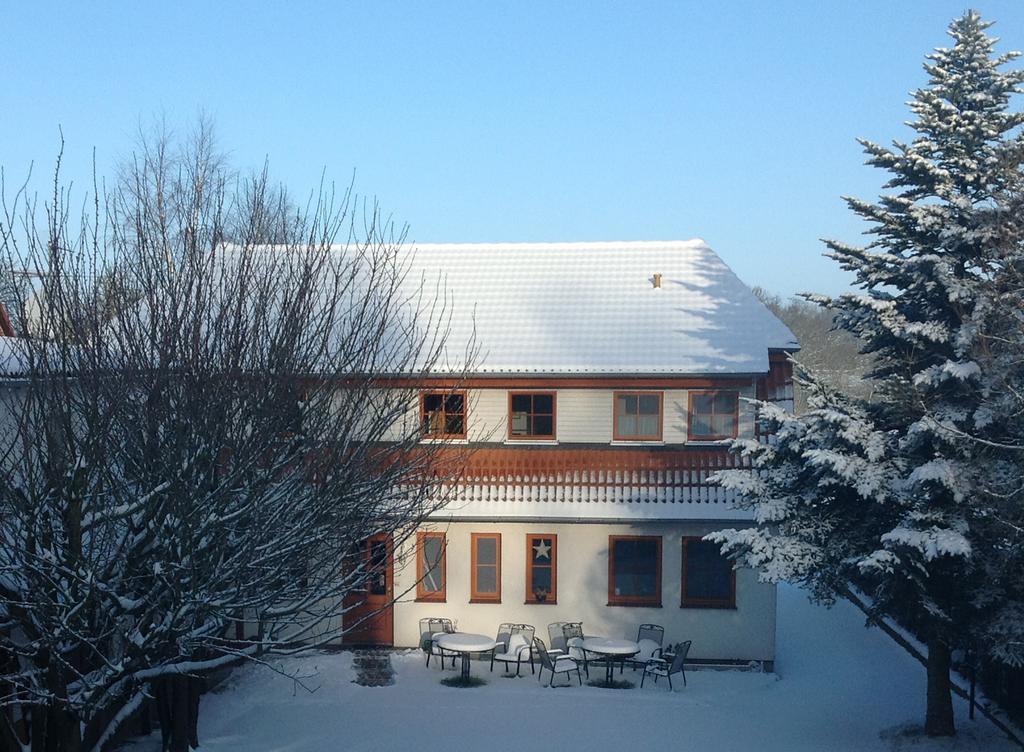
[(611, 377)]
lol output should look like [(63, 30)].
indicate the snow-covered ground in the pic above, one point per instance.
[(839, 686)]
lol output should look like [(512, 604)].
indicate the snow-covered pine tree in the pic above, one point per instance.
[(914, 498)]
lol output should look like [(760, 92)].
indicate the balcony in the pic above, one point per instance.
[(619, 475)]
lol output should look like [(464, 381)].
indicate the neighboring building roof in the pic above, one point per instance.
[(13, 358), (593, 308), (6, 328)]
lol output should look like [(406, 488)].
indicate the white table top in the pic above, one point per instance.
[(464, 642), (607, 646)]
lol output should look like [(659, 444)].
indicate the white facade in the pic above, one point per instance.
[(583, 415), (582, 514), (743, 633)]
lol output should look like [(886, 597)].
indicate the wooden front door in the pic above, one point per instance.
[(370, 618)]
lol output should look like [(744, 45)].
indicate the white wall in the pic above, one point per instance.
[(583, 416), (744, 633)]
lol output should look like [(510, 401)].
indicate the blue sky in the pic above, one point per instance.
[(490, 121)]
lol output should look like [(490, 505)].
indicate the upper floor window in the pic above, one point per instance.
[(714, 415), (431, 578), (531, 415), (637, 416), (709, 581), (634, 570), (443, 414), (485, 568), (541, 568)]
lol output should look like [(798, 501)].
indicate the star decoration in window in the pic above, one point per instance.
[(542, 550)]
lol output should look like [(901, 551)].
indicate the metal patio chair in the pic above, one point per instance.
[(430, 628), (572, 633), (515, 645), (556, 638), (650, 638), (658, 667), (561, 664)]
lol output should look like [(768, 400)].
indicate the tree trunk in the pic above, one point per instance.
[(938, 719), (195, 685), (180, 707), (177, 700)]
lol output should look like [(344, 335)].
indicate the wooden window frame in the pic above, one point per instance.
[(616, 436), (475, 596), (690, 413), (552, 598), (632, 600), (422, 595), (446, 394), (554, 415), (685, 602)]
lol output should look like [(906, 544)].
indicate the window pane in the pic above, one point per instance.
[(701, 426), (702, 404), (541, 551), (487, 579), (722, 425), (454, 424), (486, 551), (648, 426), (627, 426), (541, 579), (454, 404), (433, 580), (543, 425), (378, 568), (708, 573), (432, 402), (636, 568), (543, 403), (625, 404), (521, 403), (725, 402), (649, 404), (520, 424), (433, 422)]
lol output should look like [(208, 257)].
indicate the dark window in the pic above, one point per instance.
[(430, 567), (637, 416), (634, 570), (714, 415), (443, 414), (486, 568), (531, 416), (541, 568), (709, 581), (379, 567)]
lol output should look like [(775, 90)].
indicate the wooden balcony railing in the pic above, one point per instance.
[(607, 474)]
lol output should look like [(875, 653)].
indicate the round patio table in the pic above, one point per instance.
[(610, 650), (464, 644)]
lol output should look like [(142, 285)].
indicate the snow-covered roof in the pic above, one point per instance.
[(593, 308), (586, 309)]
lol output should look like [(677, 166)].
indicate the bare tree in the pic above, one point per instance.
[(203, 436)]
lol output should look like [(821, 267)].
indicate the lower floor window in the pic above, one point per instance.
[(485, 576), (541, 568), (634, 570), (430, 566), (709, 580)]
